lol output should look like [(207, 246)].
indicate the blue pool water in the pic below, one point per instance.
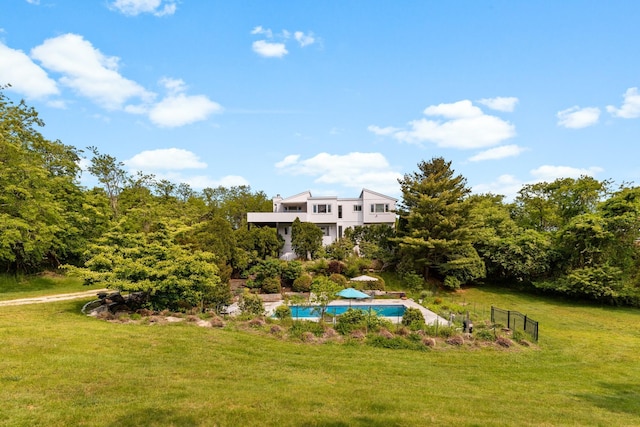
[(300, 311)]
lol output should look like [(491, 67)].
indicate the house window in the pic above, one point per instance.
[(325, 231), (286, 231), (339, 211), (340, 231), (357, 208), (321, 209), (379, 208)]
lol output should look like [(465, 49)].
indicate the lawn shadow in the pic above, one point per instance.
[(156, 417), (10, 284), (616, 397)]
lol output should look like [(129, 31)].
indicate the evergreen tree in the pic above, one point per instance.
[(435, 230)]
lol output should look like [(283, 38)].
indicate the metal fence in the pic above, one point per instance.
[(515, 320)]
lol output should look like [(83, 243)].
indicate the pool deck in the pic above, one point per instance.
[(429, 316)]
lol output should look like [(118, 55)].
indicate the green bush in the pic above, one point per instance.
[(395, 343), (290, 271), (319, 266), (283, 312), (485, 335), (251, 304), (413, 318), (271, 285), (350, 320), (339, 279), (302, 283), (378, 285), (451, 282), (299, 328), (413, 281)]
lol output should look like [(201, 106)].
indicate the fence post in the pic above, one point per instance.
[(525, 323), (509, 319)]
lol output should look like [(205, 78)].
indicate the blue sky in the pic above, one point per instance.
[(333, 96)]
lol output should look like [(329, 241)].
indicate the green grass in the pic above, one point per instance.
[(59, 368), (14, 287)]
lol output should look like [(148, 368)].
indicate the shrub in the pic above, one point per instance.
[(300, 327), (520, 336), (456, 340), (302, 283), (320, 266), (350, 320), (429, 342), (378, 285), (413, 318), (451, 282), (356, 265), (413, 281), (308, 337), (336, 267), (283, 312), (485, 335), (251, 304), (271, 285), (385, 333), (256, 322), (504, 342), (358, 334), (217, 322), (330, 333), (396, 343), (339, 279), (290, 271)]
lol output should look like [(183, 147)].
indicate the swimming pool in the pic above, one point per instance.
[(311, 311)]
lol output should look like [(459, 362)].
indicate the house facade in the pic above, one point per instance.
[(332, 214)]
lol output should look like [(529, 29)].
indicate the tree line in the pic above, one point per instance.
[(576, 237)]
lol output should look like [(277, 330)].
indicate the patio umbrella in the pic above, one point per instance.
[(364, 278), (351, 293)]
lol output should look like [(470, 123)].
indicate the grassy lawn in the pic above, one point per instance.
[(59, 368), (14, 287)]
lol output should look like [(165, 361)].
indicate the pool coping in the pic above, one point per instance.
[(430, 317)]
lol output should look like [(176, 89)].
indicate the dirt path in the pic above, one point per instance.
[(52, 298)]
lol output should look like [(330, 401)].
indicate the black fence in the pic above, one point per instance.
[(514, 321)]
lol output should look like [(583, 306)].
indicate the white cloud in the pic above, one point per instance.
[(173, 86), (465, 127), (269, 50), (304, 39), (353, 170), (165, 159), (506, 185), (137, 7), (500, 103), (578, 118), (179, 110), (264, 31), (25, 77), (87, 71), (382, 131), (33, 1), (498, 153), (200, 182), (275, 45), (289, 160), (550, 173), (630, 108)]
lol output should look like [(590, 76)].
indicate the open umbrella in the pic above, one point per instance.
[(351, 293), (364, 278)]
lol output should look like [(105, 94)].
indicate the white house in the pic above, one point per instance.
[(332, 214)]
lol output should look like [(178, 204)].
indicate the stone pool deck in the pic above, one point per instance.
[(429, 316)]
